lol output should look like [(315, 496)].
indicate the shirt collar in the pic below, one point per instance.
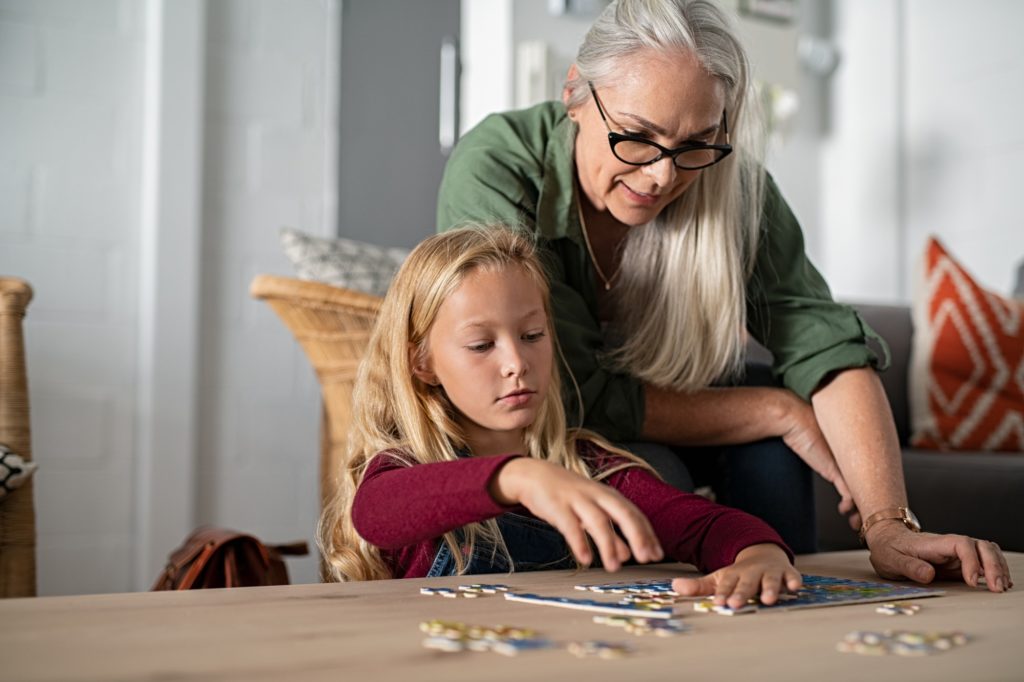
[(557, 217)]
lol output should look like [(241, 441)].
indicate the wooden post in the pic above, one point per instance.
[(17, 512)]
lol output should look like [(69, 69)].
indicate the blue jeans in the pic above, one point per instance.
[(533, 545), (765, 478)]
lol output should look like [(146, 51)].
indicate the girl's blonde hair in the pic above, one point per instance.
[(680, 300), (415, 422)]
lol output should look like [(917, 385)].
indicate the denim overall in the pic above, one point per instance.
[(533, 545)]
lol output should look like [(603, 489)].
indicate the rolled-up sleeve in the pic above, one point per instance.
[(792, 313)]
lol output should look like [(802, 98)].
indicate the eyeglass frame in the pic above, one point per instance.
[(615, 138)]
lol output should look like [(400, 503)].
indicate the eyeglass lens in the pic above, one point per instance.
[(640, 152)]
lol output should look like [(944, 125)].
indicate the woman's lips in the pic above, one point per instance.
[(639, 197)]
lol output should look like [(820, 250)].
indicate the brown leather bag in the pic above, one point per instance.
[(220, 557)]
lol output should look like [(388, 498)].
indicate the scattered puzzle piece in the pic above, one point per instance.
[(451, 636), (709, 606), (898, 608), (599, 648), (900, 642), (643, 626)]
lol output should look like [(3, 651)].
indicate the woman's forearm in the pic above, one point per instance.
[(713, 416), (854, 415)]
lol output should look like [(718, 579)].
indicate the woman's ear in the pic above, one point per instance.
[(566, 92), (420, 364)]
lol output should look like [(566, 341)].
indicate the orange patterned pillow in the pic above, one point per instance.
[(967, 362)]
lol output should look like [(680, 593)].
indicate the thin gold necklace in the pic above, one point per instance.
[(590, 250)]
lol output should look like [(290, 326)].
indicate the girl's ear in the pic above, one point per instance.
[(421, 366)]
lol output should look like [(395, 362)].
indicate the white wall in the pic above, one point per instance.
[(924, 141), (70, 163), (88, 128), (271, 73)]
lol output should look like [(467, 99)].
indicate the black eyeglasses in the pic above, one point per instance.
[(639, 151)]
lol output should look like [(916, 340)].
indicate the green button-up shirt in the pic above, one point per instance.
[(517, 169)]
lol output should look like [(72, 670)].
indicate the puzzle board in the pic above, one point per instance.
[(817, 591)]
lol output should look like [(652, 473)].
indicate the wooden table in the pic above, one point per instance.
[(369, 631)]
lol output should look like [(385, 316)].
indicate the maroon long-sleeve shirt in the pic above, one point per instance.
[(404, 510)]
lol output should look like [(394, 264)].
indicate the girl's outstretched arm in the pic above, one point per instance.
[(398, 505)]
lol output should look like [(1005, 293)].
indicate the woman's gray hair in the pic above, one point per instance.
[(680, 299)]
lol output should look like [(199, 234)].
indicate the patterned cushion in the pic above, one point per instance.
[(967, 366), (342, 262), (14, 471)]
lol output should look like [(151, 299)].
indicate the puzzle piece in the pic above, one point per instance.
[(483, 588), (898, 608), (643, 626), (900, 642), (451, 636), (599, 648), (647, 611)]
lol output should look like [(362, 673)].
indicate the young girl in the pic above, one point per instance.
[(460, 460)]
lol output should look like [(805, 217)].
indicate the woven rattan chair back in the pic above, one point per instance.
[(17, 510), (333, 326)]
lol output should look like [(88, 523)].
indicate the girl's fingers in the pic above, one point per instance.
[(745, 589), (694, 587), (771, 585), (599, 526), (568, 524), (635, 526), (725, 585), (794, 581)]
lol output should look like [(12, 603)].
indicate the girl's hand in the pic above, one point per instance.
[(763, 569), (577, 506), (800, 431)]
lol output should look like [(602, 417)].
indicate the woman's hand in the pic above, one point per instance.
[(577, 506), (897, 552), (800, 431), (759, 569)]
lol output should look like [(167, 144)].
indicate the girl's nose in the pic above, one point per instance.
[(514, 364)]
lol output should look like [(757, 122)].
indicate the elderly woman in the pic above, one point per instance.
[(666, 244)]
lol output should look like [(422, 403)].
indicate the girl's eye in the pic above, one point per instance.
[(480, 347), (533, 336)]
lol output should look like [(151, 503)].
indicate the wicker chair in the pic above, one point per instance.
[(17, 511), (333, 327)]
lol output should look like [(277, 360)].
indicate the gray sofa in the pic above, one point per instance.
[(972, 493)]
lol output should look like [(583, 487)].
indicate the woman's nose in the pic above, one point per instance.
[(663, 171)]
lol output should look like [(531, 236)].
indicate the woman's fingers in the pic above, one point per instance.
[(997, 572)]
